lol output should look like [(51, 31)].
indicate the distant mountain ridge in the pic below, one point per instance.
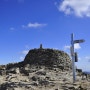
[(87, 72)]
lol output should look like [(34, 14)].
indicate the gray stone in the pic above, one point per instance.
[(41, 73), (35, 78)]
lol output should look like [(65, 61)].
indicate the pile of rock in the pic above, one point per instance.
[(48, 57)]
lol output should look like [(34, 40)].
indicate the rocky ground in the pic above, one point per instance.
[(43, 69), (41, 78)]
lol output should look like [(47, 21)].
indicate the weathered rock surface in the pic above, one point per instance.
[(42, 69), (48, 57)]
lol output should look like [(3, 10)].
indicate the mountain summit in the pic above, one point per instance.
[(42, 69), (48, 57)]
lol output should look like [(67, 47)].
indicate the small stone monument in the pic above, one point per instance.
[(40, 46)]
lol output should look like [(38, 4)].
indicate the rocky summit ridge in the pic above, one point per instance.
[(42, 69)]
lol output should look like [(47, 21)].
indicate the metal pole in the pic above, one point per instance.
[(73, 57)]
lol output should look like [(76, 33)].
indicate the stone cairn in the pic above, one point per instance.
[(48, 57)]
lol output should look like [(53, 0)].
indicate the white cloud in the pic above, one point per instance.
[(25, 52), (79, 8), (79, 58), (76, 46), (21, 58), (87, 58), (66, 47), (34, 25)]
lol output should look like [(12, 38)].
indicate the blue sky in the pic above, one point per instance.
[(25, 24)]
